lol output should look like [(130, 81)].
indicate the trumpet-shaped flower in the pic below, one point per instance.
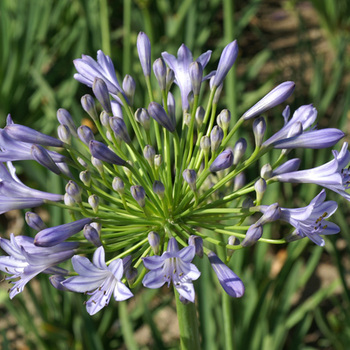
[(174, 265), (89, 69), (332, 175), (25, 260), (98, 280), (294, 134), (15, 195), (181, 68), (310, 221), (12, 149)]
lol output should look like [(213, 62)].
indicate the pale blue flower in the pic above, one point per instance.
[(173, 266), (181, 68), (310, 221), (98, 280), (25, 260), (333, 175), (15, 195)]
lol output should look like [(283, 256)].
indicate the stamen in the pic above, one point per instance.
[(93, 301)]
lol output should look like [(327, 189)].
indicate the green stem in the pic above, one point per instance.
[(104, 20), (188, 324), (127, 330)]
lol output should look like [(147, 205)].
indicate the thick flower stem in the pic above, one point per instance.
[(188, 324)]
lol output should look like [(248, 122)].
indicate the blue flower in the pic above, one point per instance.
[(88, 69), (26, 260), (181, 68), (294, 134), (12, 149), (98, 280), (310, 221), (174, 265), (15, 195), (229, 281), (333, 175)]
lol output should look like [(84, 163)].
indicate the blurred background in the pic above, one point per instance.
[(297, 296)]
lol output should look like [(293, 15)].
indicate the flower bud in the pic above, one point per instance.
[(100, 90), (56, 280), (54, 235), (259, 128), (88, 104), (216, 137), (118, 185), (91, 234), (232, 240), (85, 177), (129, 88), (229, 281), (190, 176), (271, 213), (40, 154), (104, 118), (158, 189), (34, 221), (247, 203), (68, 200), (253, 234), (85, 134), (131, 275), (158, 113), (266, 171), (102, 152), (205, 144), (153, 240), (197, 242), (64, 118), (97, 164), (149, 153), (74, 191), (64, 134), (276, 96), (94, 201), (157, 161), (127, 171), (82, 162), (142, 116), (187, 119), (217, 94), (196, 74), (200, 112), (159, 69), (139, 194), (260, 188), (239, 150), (239, 181), (117, 110), (223, 119), (223, 161), (227, 59), (144, 50), (118, 126), (170, 77)]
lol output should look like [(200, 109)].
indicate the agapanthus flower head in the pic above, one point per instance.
[(98, 280), (138, 187)]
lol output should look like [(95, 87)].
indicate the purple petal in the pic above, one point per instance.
[(122, 292), (99, 258), (154, 279), (186, 290), (153, 262), (187, 254), (229, 281), (116, 268)]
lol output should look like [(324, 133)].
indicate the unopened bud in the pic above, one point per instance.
[(139, 194), (149, 153), (91, 234), (94, 201), (88, 104), (223, 119), (129, 88), (239, 150), (154, 240), (197, 242), (34, 221)]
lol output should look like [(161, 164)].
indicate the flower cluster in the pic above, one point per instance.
[(145, 180)]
